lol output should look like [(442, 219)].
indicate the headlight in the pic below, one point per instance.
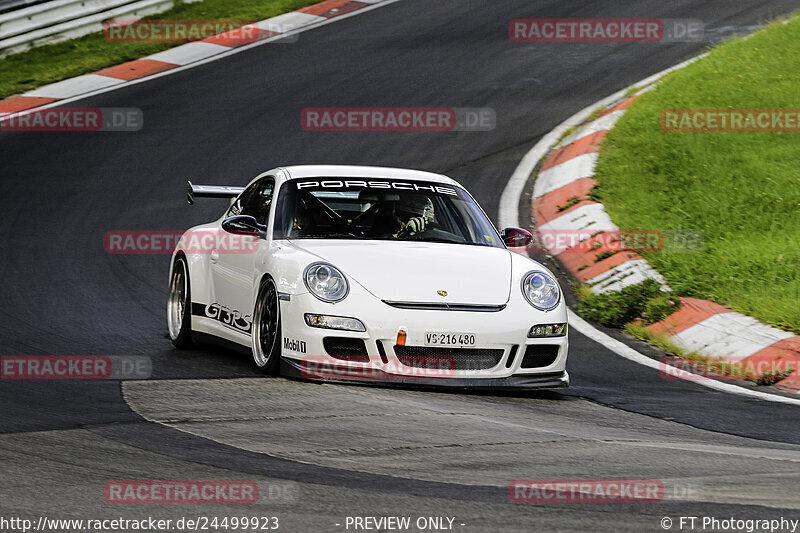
[(548, 330), (326, 282), (541, 290), (334, 322)]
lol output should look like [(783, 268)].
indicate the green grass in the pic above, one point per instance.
[(55, 62), (742, 190), (572, 200), (644, 302)]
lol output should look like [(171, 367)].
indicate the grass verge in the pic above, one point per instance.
[(55, 62), (643, 301), (637, 306), (740, 189)]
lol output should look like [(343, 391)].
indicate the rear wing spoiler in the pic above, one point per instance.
[(210, 191)]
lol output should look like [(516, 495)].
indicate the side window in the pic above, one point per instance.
[(255, 201)]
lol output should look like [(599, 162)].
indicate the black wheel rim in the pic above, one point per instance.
[(266, 325)]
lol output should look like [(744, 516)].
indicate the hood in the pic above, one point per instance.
[(415, 271)]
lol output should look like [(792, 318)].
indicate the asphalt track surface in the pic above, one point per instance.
[(345, 450)]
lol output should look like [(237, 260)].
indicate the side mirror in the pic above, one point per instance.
[(242, 225), (516, 237)]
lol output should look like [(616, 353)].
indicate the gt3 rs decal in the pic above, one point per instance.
[(294, 345), (227, 317), (398, 185)]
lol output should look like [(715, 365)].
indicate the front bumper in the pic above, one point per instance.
[(294, 368), (503, 332)]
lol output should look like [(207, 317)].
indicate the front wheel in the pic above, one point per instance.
[(266, 333), (179, 306)]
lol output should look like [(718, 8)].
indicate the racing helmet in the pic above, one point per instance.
[(416, 205)]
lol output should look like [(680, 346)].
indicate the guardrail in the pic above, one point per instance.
[(59, 20), (11, 5)]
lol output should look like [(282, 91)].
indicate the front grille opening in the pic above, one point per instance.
[(448, 358), (540, 355), (382, 352), (346, 349), (511, 355), (439, 306)]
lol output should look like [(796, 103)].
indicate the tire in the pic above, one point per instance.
[(266, 334), (179, 305)]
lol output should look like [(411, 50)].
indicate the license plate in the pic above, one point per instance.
[(438, 338)]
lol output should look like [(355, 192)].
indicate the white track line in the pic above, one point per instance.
[(629, 353), (508, 215)]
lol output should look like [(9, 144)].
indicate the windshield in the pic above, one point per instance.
[(380, 209)]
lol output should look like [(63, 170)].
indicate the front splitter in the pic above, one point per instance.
[(295, 369)]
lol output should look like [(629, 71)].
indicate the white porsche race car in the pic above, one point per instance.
[(367, 273)]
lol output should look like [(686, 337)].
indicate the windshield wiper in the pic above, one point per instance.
[(331, 235), (446, 241), (434, 239)]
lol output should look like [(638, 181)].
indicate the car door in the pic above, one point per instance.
[(234, 257)]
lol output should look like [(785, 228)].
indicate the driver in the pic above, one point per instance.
[(303, 221), (414, 213)]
